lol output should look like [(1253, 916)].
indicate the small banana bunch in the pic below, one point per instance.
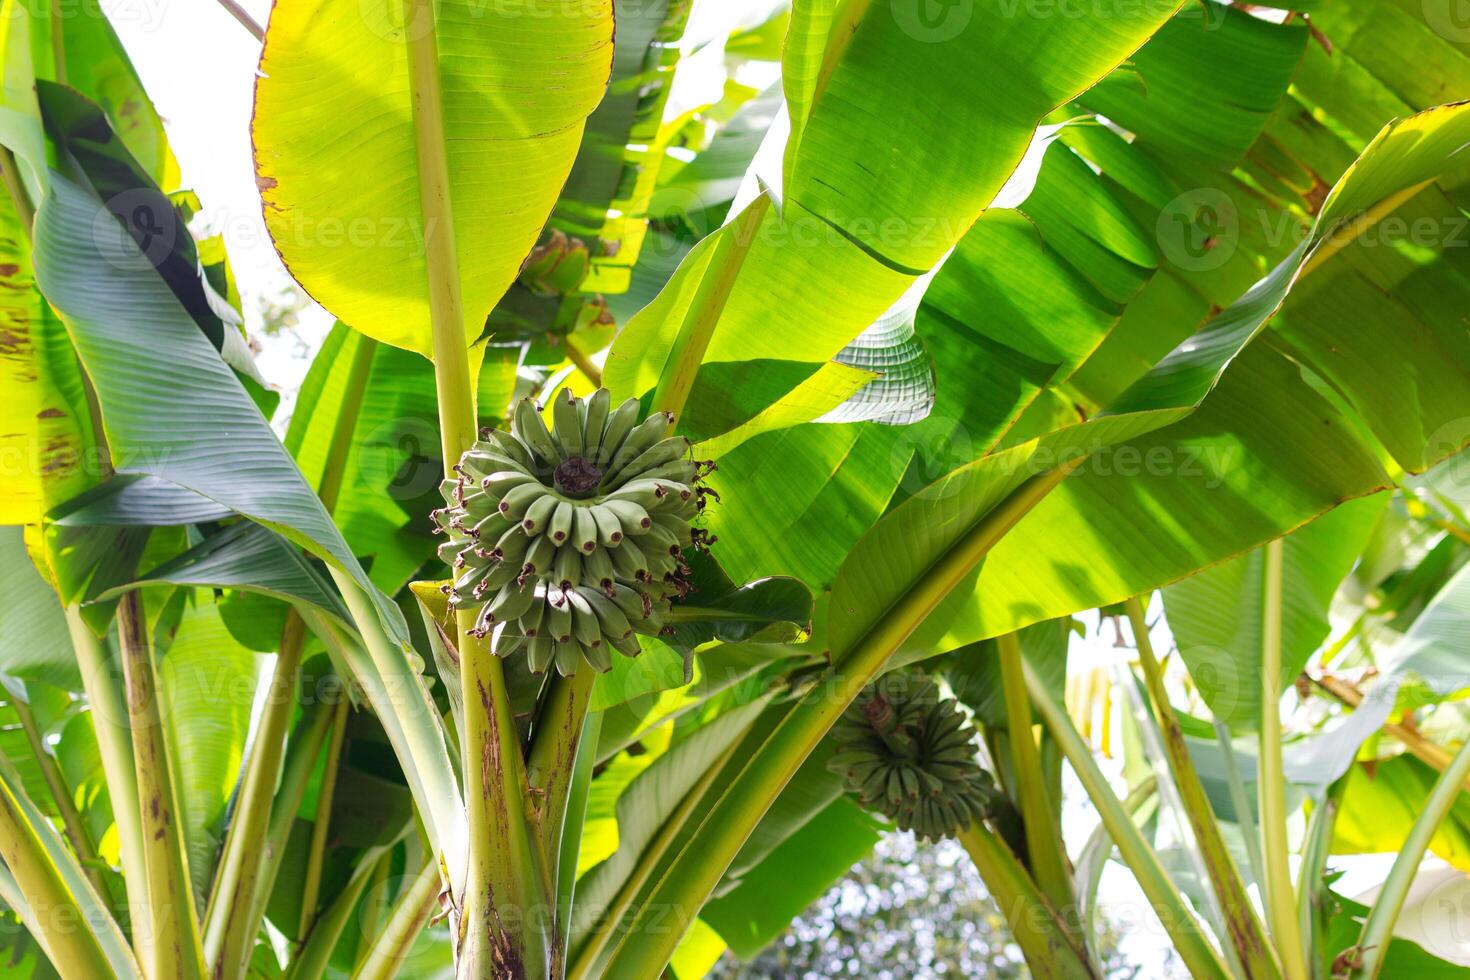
[(911, 756), (569, 541)]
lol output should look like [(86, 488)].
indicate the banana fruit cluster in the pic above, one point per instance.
[(909, 755), (569, 540)]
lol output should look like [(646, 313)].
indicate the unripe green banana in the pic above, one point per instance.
[(597, 568), (528, 426), (898, 722), (511, 547), (568, 423), (566, 570), (629, 563), (558, 616), (515, 504), (536, 509), (634, 604), (513, 449), (512, 601), (559, 528), (531, 619), (655, 456), (540, 653), (599, 403), (598, 656), (568, 655), (634, 519), (614, 623), (640, 440), (609, 530), (584, 531), (628, 645), (619, 424), (540, 556), (539, 514)]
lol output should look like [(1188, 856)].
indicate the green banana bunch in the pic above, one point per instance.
[(569, 540), (910, 756)]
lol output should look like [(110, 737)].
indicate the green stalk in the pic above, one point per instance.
[(177, 950), (305, 745), (571, 841), (1281, 904), (649, 944), (61, 795), (1315, 909), (1178, 920), (114, 746), (1378, 929), (505, 904), (412, 912), (1048, 945), (693, 339), (407, 714), (311, 884), (64, 922), (311, 963), (1240, 800), (1047, 860), (587, 965), (583, 363), (1245, 933), (553, 757), (229, 929)]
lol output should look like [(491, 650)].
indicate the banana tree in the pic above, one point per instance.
[(445, 732)]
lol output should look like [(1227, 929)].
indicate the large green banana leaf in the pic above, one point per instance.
[(872, 206), (337, 156), (33, 633), (137, 341)]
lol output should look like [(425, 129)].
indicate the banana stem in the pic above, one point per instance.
[(53, 911), (229, 928), (1189, 938), (410, 914), (1243, 930), (311, 884), (1315, 910), (177, 948), (1043, 846), (1281, 903), (647, 946), (71, 820), (1378, 929), (301, 753), (311, 963), (551, 768), (1048, 945), (571, 840), (584, 363), (587, 964), (698, 328), (503, 873), (110, 723)]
